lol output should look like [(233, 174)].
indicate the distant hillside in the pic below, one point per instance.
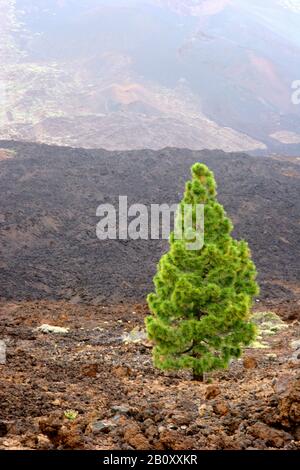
[(128, 74), (48, 201)]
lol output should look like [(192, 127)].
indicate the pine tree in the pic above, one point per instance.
[(201, 308)]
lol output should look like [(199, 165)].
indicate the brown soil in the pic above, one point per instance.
[(122, 401)]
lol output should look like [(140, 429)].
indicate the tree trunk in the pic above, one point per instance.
[(198, 377)]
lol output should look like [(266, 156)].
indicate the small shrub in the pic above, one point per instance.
[(200, 310)]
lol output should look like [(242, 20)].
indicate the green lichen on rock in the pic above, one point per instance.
[(268, 323), (258, 344), (200, 310), (136, 335)]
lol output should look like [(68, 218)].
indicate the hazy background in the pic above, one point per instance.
[(151, 73)]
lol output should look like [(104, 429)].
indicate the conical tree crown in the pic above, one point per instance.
[(200, 310)]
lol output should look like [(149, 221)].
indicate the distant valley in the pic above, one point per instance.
[(202, 74)]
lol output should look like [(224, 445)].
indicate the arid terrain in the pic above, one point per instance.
[(102, 99), (49, 197), (93, 386), (78, 372)]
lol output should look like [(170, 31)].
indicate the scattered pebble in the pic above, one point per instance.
[(2, 352), (120, 409), (295, 345), (53, 329), (212, 391), (249, 362), (104, 426)]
